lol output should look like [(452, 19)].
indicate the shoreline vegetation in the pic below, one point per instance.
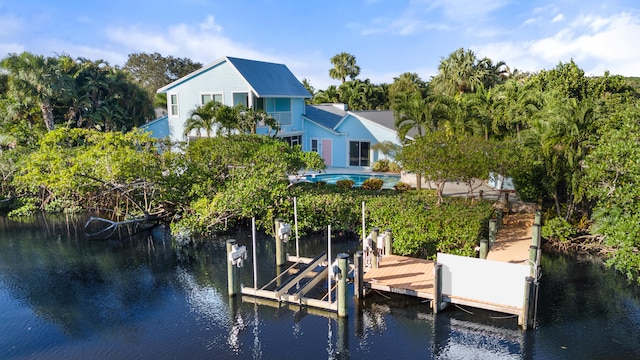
[(69, 142)]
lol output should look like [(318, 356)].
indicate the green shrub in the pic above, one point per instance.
[(419, 227), (381, 165), (401, 186), (345, 183), (394, 167), (558, 228), (372, 184)]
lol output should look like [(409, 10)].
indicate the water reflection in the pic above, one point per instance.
[(64, 297)]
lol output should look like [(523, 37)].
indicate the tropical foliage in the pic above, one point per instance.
[(569, 141)]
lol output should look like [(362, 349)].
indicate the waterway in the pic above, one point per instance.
[(64, 297)]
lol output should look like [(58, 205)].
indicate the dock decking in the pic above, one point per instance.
[(402, 275), (513, 239), (416, 277)]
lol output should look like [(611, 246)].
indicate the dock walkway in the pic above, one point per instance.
[(513, 239)]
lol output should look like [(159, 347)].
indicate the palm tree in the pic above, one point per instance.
[(517, 103), (406, 83), (485, 105), (422, 114), (344, 65), (414, 112), (202, 117), (564, 133), (460, 73), (37, 78), (330, 95)]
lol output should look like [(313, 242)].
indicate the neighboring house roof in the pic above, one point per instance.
[(159, 127), (327, 115), (266, 79)]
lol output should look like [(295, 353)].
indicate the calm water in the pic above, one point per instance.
[(63, 297)]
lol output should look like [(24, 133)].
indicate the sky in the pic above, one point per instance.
[(387, 37)]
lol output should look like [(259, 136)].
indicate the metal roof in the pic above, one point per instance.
[(269, 79), (266, 79), (327, 115)]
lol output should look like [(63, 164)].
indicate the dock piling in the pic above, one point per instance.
[(388, 242), (437, 288), (528, 307), (484, 248), (374, 248), (233, 285), (358, 278), (492, 232), (343, 266), (281, 257)]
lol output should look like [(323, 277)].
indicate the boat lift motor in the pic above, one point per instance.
[(284, 232), (238, 255)]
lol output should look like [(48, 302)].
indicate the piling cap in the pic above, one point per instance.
[(342, 256)]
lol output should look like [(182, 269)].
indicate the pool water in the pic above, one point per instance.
[(358, 179)]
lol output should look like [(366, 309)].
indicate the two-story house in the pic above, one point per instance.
[(343, 138)]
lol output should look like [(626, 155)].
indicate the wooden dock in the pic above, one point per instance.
[(402, 275), (513, 239), (471, 283)]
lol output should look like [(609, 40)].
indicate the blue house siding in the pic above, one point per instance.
[(275, 89), (313, 130), (362, 129), (239, 81)]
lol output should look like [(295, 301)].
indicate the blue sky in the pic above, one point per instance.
[(388, 37)]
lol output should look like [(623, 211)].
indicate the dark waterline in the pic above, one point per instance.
[(63, 297)]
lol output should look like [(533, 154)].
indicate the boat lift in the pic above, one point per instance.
[(295, 283)]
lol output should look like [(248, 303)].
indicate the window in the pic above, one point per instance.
[(283, 104), (173, 103), (259, 104), (205, 98), (315, 145), (359, 153), (241, 99), (292, 140)]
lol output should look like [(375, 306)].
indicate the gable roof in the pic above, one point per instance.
[(384, 118), (266, 79), (327, 115), (331, 116)]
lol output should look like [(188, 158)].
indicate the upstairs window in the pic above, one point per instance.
[(205, 98), (173, 104)]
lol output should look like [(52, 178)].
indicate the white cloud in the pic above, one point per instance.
[(209, 24), (595, 43), (557, 18)]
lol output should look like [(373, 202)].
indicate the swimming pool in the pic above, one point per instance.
[(358, 179)]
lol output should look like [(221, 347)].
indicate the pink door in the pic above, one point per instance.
[(326, 151)]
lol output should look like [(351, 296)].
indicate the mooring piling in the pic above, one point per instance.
[(233, 285), (492, 232), (358, 278), (374, 248), (343, 271), (437, 288), (281, 257), (388, 242), (484, 248)]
